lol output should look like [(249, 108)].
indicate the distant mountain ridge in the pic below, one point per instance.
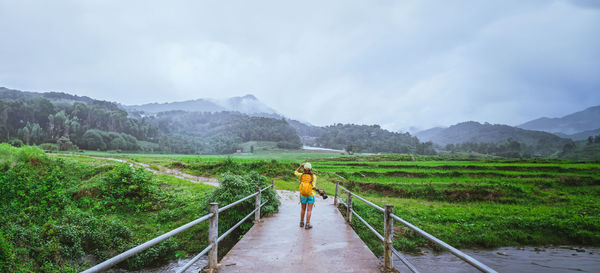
[(247, 104), (588, 119), (429, 134), (581, 135), (13, 94), (476, 132)]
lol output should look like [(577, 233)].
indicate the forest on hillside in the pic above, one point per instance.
[(58, 121), (102, 126)]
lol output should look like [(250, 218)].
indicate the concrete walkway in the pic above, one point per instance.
[(278, 244)]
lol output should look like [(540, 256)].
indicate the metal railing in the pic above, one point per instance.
[(213, 235), (387, 238)]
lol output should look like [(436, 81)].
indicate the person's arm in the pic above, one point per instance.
[(296, 172)]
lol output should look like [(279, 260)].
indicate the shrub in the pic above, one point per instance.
[(49, 147), (235, 187), (128, 189), (16, 142)]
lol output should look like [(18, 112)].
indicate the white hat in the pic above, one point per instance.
[(307, 166)]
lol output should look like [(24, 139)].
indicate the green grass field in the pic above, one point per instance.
[(467, 203)]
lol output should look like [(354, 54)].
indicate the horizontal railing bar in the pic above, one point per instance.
[(119, 258), (266, 188), (405, 261), (238, 224), (364, 200), (369, 226), (342, 202), (195, 259), (456, 252), (237, 202)]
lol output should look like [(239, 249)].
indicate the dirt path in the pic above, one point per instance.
[(168, 171)]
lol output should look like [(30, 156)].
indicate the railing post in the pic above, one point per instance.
[(388, 238), (337, 188), (272, 184), (349, 208), (257, 206), (213, 234)]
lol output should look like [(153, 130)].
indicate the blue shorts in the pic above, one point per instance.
[(307, 199)]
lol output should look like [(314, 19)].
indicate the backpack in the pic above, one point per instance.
[(306, 186)]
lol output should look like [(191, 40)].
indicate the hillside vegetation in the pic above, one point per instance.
[(67, 122), (63, 122), (59, 214), (496, 139), (56, 212)]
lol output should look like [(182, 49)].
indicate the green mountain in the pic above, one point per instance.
[(67, 122), (472, 131)]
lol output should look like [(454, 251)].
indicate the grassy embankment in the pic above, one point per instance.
[(467, 203), (57, 211)]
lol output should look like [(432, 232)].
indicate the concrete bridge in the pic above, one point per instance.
[(279, 244)]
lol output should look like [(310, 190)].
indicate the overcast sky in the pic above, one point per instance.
[(400, 64)]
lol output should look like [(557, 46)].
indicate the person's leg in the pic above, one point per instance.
[(302, 210), (308, 212)]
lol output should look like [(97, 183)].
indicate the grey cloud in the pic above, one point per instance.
[(399, 64)]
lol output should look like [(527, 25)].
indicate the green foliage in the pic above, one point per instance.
[(35, 119), (54, 212), (127, 189), (270, 168), (99, 140), (475, 203), (7, 256), (235, 187), (588, 150), (49, 147), (220, 133), (509, 148), (65, 144), (366, 139), (16, 142)]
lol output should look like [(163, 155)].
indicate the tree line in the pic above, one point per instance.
[(370, 139), (101, 125)]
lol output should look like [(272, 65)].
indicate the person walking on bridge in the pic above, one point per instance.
[(308, 183)]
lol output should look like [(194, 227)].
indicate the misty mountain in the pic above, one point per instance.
[(199, 105), (588, 119), (247, 104), (427, 135), (70, 122), (581, 136), (12, 94), (488, 133)]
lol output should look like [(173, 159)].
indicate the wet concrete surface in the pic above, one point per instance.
[(278, 244)]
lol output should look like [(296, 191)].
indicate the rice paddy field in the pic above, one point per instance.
[(468, 203)]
